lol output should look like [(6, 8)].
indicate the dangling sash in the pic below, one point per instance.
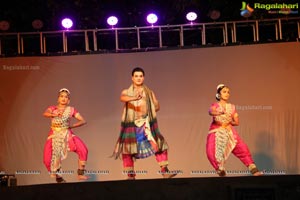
[(224, 143), (60, 136), (224, 138)]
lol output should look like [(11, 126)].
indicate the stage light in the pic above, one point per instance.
[(214, 14), (152, 18), (4, 25), (4, 180), (67, 23), (112, 20), (191, 16), (37, 24)]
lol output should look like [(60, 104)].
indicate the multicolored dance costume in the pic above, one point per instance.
[(224, 139), (61, 140), (140, 138)]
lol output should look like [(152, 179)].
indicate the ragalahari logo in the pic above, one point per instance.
[(271, 8), (246, 10)]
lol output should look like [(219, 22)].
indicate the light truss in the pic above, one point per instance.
[(149, 37)]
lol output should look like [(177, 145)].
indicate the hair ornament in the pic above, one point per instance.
[(64, 90)]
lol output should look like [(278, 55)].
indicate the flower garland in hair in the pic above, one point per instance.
[(218, 96)]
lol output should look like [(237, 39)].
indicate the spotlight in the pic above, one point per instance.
[(214, 14), (37, 24), (4, 180), (191, 16), (152, 18), (67, 23), (112, 20), (4, 25)]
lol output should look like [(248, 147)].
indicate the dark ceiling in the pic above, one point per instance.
[(90, 14)]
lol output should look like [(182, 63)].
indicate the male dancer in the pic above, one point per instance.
[(139, 136)]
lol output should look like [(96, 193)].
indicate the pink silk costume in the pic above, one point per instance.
[(224, 139), (61, 140)]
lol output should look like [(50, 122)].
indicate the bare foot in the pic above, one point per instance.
[(53, 175), (169, 175), (83, 177), (60, 179), (258, 174), (221, 173)]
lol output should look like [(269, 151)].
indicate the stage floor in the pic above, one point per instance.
[(279, 187)]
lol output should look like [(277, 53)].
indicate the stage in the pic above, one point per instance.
[(277, 187)]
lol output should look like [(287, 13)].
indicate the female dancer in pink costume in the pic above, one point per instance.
[(61, 138), (223, 138)]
